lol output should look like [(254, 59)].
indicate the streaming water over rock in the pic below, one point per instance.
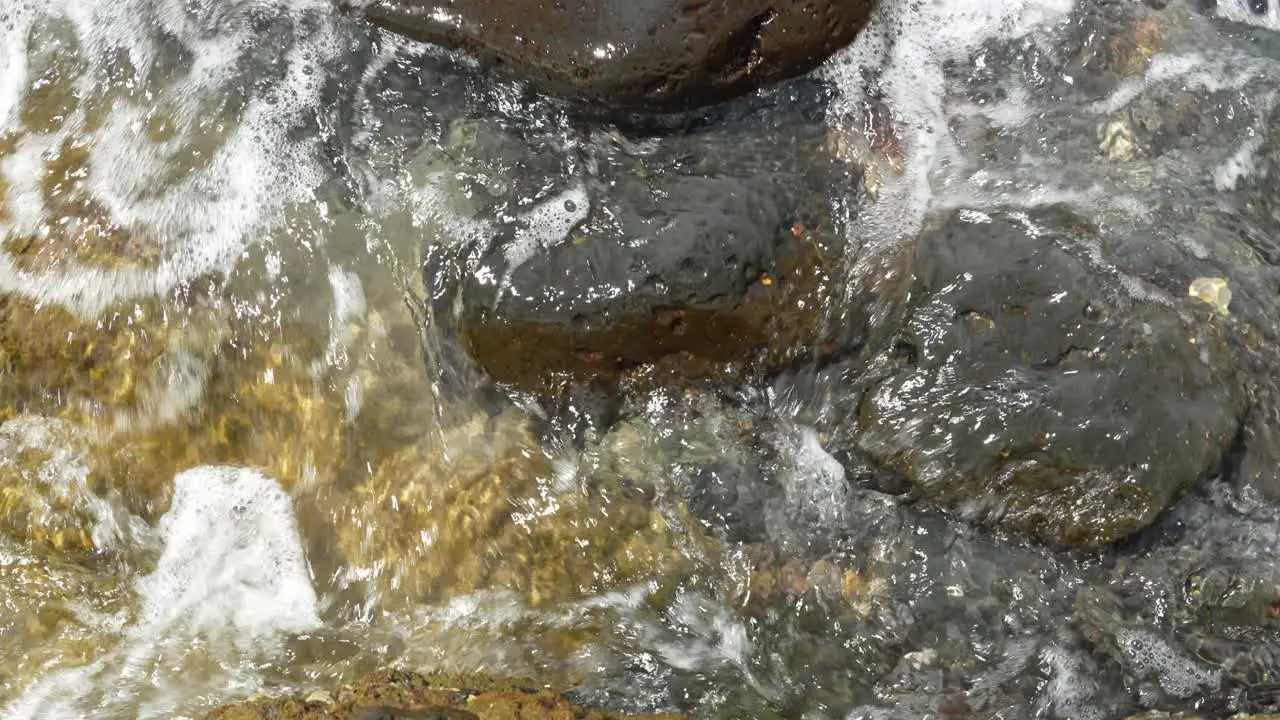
[(940, 382)]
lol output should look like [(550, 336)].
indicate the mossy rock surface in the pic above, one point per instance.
[(393, 694)]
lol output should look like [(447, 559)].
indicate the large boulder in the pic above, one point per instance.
[(649, 54), (1037, 390), (695, 255)]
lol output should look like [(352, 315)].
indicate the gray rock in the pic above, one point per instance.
[(1034, 392)]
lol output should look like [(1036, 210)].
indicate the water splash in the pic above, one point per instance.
[(903, 52), (231, 583), (226, 84)]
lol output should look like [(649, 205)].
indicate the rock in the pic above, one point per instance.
[(43, 595), (484, 494), (1199, 587), (392, 694), (698, 252), (1033, 391), (435, 712), (649, 54)]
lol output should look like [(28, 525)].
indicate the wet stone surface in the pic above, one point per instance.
[(696, 254), (692, 250), (841, 495), (642, 54), (392, 695), (1194, 609), (1032, 394)]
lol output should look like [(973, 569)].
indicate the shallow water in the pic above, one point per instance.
[(237, 459)]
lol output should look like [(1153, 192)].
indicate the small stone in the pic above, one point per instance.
[(319, 697), (921, 658), (1212, 290), (1116, 141)]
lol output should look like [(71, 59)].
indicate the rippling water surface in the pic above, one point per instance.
[(228, 466)]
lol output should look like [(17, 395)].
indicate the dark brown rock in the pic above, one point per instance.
[(643, 54)]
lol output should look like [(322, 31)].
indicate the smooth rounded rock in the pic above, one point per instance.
[(1035, 392), (691, 256), (637, 54)]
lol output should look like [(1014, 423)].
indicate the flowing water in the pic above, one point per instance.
[(229, 468)]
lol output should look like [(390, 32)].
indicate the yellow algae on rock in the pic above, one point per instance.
[(79, 228), (487, 508), (51, 360), (45, 500), (391, 694), (1213, 291), (42, 615), (258, 406)]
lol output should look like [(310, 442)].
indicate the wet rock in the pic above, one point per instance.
[(1035, 392), (396, 695), (650, 54), (1199, 596), (693, 256), (1159, 715), (46, 600), (504, 514)]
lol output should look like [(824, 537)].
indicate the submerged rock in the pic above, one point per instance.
[(1033, 390), (488, 509), (1196, 597), (391, 694), (693, 255), (647, 54), (46, 601)]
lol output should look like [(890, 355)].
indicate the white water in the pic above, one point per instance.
[(204, 221), (907, 44), (231, 584)]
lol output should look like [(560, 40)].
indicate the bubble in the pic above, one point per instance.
[(1151, 656), (1259, 14)]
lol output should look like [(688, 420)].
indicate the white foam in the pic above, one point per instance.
[(543, 227), (233, 559), (233, 570), (908, 43), (204, 222), (1242, 164), (1071, 687), (349, 306), (1207, 71), (815, 483)]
